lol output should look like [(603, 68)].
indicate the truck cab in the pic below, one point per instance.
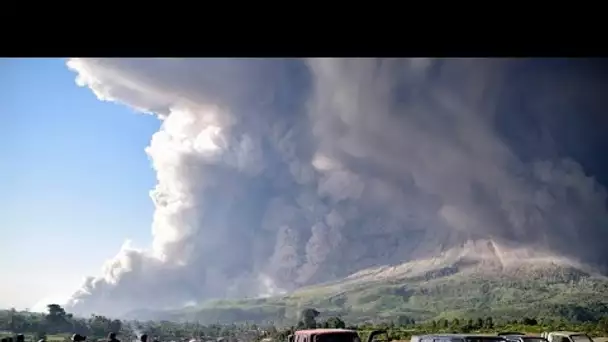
[(566, 336)]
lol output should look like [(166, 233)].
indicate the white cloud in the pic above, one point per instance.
[(272, 172)]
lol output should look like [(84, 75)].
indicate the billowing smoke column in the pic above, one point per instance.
[(277, 173)]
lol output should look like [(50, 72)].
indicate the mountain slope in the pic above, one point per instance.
[(478, 279)]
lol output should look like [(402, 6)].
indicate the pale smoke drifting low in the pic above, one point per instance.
[(276, 173)]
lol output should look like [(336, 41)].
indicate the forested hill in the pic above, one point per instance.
[(555, 292)]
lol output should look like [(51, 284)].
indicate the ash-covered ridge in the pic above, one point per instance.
[(275, 174), (477, 278), (482, 258)]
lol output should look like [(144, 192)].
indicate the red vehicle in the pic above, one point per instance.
[(333, 335)]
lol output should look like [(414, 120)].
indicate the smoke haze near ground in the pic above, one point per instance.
[(273, 174)]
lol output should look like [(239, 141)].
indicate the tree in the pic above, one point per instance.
[(115, 325), (55, 310), (479, 324), (529, 321), (603, 324), (467, 328), (489, 324), (444, 323), (309, 318), (335, 322), (101, 325), (403, 320), (56, 318)]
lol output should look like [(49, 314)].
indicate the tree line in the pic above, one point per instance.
[(56, 321)]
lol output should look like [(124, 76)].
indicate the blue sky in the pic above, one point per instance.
[(74, 179)]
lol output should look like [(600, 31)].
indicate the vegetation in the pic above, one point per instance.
[(443, 300), (61, 325), (56, 324), (561, 293)]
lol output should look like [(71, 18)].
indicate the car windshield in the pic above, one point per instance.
[(580, 338), (534, 339), (338, 337), (484, 339)]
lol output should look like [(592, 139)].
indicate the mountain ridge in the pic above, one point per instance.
[(479, 277)]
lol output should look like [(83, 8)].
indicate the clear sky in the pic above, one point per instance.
[(74, 178)]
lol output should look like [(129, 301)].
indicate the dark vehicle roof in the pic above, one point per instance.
[(463, 336), (511, 333), (323, 331), (525, 337)]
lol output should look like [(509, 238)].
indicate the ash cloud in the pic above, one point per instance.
[(277, 173)]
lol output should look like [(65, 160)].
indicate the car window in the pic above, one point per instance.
[(341, 337), (580, 338), (484, 339), (448, 339)]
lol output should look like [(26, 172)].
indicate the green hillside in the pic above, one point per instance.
[(560, 292)]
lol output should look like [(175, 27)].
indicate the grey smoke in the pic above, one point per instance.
[(277, 173)]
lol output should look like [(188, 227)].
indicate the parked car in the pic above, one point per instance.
[(566, 336), (334, 335), (458, 338)]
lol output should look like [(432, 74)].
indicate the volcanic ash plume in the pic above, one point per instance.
[(273, 174)]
